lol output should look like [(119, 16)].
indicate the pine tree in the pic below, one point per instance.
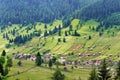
[(45, 26), (19, 63), (70, 28), (2, 60), (9, 63), (50, 63), (117, 77), (59, 40), (89, 38), (93, 74), (1, 69), (59, 33), (76, 33), (104, 71), (6, 71), (64, 40), (66, 33), (54, 59), (38, 59), (58, 75), (100, 34), (3, 53), (45, 33), (0, 78)]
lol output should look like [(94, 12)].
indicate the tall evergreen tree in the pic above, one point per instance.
[(70, 28), (59, 40), (66, 33), (104, 73), (6, 71), (9, 63), (2, 60), (93, 74), (64, 40), (3, 53), (45, 33), (117, 77), (76, 33), (38, 59), (58, 75), (50, 63), (59, 33), (45, 26), (3, 70), (89, 38)]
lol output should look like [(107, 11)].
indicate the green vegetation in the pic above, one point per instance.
[(93, 74), (25, 12), (4, 66), (58, 75), (117, 77), (38, 59), (54, 43), (104, 72), (70, 34), (28, 71)]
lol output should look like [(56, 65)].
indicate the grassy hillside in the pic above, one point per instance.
[(102, 46), (2, 44)]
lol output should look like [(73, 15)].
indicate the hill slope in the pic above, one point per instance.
[(90, 42), (93, 37)]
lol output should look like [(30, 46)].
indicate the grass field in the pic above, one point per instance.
[(107, 44), (44, 73)]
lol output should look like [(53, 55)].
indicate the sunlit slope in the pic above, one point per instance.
[(104, 45)]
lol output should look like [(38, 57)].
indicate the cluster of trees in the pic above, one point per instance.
[(106, 25), (103, 72), (21, 39), (114, 19), (71, 31), (39, 60), (18, 38), (57, 74), (62, 40), (51, 32), (99, 10), (106, 11), (57, 29)]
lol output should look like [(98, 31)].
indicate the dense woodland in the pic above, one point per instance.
[(30, 11), (101, 11), (25, 12)]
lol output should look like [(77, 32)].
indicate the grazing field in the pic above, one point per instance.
[(28, 71), (106, 44)]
